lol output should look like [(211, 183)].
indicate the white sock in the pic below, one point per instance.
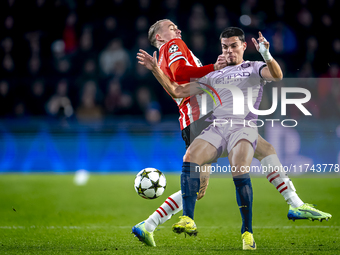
[(280, 180), (171, 206)]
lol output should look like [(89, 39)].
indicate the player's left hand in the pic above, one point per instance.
[(263, 47), (262, 41), (147, 60), (221, 62), (204, 181)]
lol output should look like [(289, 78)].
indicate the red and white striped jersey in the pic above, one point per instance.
[(182, 66)]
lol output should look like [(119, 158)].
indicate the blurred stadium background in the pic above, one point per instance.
[(72, 95)]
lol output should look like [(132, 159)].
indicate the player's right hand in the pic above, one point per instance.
[(221, 62), (146, 60)]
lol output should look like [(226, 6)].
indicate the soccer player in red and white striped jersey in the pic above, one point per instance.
[(180, 65)]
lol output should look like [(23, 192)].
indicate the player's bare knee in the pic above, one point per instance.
[(268, 150), (241, 167), (271, 150), (195, 156), (264, 149), (186, 157)]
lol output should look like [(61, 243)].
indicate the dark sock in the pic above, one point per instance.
[(190, 186), (244, 197)]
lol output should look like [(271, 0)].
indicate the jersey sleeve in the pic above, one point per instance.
[(177, 55), (185, 73), (258, 66), (176, 50)]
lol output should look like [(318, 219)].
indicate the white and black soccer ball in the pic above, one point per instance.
[(150, 183)]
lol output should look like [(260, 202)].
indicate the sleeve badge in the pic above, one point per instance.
[(173, 48)]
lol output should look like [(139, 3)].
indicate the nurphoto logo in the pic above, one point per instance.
[(239, 104)]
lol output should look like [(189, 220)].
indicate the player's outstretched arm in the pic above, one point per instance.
[(145, 59), (151, 63), (273, 70), (175, 90)]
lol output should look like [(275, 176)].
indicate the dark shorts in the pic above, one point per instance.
[(194, 129)]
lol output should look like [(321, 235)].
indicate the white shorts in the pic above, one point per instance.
[(224, 137)]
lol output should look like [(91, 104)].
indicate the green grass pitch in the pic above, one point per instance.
[(48, 214)]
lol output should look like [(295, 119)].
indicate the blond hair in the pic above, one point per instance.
[(153, 31)]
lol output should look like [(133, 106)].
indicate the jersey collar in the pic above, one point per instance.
[(161, 46), (225, 68), (167, 42)]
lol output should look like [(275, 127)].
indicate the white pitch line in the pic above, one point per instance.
[(297, 227), (274, 227), (101, 227), (65, 227)]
